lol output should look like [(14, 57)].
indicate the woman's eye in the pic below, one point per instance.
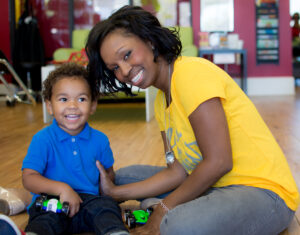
[(127, 55), (114, 69), (62, 99)]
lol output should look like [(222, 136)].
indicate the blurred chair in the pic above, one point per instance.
[(186, 37), (79, 37), (12, 96)]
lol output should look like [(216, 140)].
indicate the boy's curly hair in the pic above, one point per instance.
[(68, 70)]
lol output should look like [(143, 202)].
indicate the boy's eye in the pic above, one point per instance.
[(63, 99), (82, 99)]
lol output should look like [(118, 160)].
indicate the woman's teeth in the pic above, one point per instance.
[(138, 77)]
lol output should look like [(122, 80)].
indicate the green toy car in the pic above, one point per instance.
[(51, 203), (137, 217)]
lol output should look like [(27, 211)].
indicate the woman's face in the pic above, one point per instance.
[(130, 58)]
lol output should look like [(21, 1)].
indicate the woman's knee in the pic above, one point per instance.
[(179, 222), (135, 173)]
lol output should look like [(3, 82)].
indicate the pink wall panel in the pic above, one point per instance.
[(53, 20), (54, 31), (4, 29), (244, 25)]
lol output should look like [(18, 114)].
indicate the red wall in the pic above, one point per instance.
[(4, 28), (244, 18), (244, 25)]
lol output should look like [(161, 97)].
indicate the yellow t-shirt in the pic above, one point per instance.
[(257, 158)]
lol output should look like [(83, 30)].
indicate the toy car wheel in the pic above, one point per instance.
[(39, 202), (127, 213), (131, 222), (149, 210), (10, 103), (65, 208)]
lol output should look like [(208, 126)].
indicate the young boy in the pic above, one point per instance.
[(61, 160)]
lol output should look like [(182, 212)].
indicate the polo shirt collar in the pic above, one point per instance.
[(62, 135)]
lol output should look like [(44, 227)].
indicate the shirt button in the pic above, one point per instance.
[(74, 153), (73, 140)]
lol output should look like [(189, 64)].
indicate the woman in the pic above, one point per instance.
[(228, 175)]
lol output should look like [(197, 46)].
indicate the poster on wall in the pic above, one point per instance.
[(89, 12), (267, 32), (266, 3), (164, 10), (185, 14), (217, 16)]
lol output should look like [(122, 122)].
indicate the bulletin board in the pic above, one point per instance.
[(267, 32)]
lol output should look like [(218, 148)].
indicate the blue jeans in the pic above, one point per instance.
[(99, 214), (235, 209)]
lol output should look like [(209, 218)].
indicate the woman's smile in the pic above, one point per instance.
[(138, 79)]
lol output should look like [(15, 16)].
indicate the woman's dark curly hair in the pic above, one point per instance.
[(134, 20), (68, 70)]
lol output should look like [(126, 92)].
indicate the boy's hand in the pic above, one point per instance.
[(69, 195), (106, 185)]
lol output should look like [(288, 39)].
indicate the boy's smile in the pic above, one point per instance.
[(71, 104)]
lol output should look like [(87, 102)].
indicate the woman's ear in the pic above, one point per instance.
[(49, 107), (151, 45)]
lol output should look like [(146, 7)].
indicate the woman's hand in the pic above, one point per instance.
[(106, 184), (152, 227), (69, 195)]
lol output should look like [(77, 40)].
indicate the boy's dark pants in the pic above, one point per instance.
[(99, 214)]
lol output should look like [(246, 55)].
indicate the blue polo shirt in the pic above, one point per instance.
[(59, 156)]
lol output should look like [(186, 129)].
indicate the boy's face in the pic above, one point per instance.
[(71, 104)]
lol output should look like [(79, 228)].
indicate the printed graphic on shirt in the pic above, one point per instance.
[(186, 153)]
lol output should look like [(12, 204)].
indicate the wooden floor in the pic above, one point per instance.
[(134, 141)]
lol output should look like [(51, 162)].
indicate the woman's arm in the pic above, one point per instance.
[(111, 173), (110, 176), (36, 183), (161, 182), (164, 181), (211, 131)]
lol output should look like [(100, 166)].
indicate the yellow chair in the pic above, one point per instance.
[(186, 38), (79, 37)]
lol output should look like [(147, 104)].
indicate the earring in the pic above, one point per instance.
[(152, 48)]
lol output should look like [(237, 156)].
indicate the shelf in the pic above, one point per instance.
[(243, 54), (267, 34)]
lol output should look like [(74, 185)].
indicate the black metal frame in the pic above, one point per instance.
[(12, 26)]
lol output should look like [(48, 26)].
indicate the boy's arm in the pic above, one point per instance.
[(36, 183)]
